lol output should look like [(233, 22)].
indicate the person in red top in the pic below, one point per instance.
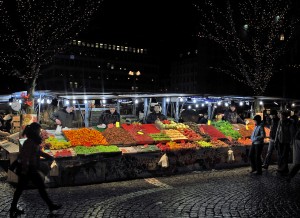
[(29, 160)]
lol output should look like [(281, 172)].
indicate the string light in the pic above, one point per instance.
[(249, 32), (33, 33)]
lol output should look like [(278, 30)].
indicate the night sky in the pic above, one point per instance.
[(144, 22)]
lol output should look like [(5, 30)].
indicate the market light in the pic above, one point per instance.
[(219, 103), (74, 101), (226, 104), (189, 107), (42, 101), (85, 101), (241, 103), (261, 103), (104, 101), (48, 101), (180, 99), (9, 103), (38, 100), (168, 100), (20, 101), (197, 105), (136, 101), (194, 100), (67, 102), (202, 105), (293, 104), (275, 103)]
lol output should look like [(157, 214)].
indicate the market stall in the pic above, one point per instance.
[(93, 155)]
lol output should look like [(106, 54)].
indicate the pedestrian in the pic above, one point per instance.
[(257, 138), (274, 119), (296, 155), (283, 140), (64, 117), (29, 160)]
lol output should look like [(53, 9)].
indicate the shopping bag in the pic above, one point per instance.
[(164, 161), (230, 156), (54, 171), (58, 130)]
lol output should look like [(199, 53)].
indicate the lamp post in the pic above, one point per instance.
[(135, 75)]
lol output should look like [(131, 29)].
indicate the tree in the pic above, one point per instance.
[(253, 34), (33, 31)]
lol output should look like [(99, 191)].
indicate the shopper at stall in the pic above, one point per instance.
[(273, 127), (110, 116), (296, 155), (156, 115), (232, 116), (28, 169), (257, 138), (64, 117), (283, 140)]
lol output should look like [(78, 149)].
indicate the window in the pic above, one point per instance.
[(97, 45), (281, 37)]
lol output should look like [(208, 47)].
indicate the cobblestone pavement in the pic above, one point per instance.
[(222, 193)]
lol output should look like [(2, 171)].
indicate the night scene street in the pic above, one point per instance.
[(113, 108)]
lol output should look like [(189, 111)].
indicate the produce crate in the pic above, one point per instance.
[(63, 153), (212, 131)]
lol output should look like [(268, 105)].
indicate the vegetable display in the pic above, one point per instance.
[(226, 128), (85, 137)]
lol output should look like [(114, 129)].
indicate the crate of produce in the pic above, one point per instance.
[(147, 148), (62, 153), (174, 134), (139, 133), (84, 137), (160, 137), (118, 136), (100, 149), (212, 131)]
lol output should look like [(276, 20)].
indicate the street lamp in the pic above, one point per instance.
[(135, 74)]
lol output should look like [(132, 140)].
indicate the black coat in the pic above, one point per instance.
[(107, 117)]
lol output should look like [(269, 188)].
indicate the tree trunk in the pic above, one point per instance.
[(30, 92)]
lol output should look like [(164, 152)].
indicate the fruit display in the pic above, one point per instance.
[(83, 150), (241, 128), (56, 144), (227, 129), (139, 133), (190, 134), (171, 125), (204, 144), (85, 137), (68, 152), (245, 141), (160, 137), (146, 148), (174, 134), (118, 136), (212, 131), (218, 143)]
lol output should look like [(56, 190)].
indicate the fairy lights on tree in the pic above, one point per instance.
[(253, 33), (33, 31)]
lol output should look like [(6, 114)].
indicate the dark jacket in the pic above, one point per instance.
[(273, 127), (107, 117), (258, 134), (30, 156), (285, 132), (232, 117), (154, 116), (65, 118)]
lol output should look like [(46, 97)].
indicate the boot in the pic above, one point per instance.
[(55, 207)]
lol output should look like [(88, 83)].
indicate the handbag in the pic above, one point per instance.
[(16, 167)]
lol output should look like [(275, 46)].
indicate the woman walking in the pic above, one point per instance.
[(29, 162)]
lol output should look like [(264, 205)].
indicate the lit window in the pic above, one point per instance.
[(74, 42), (109, 47), (114, 47), (126, 48), (118, 48), (92, 45), (88, 45), (83, 43), (133, 50), (137, 50), (142, 50), (105, 46), (97, 45), (281, 37), (277, 18), (112, 67), (246, 27), (101, 45), (122, 48)]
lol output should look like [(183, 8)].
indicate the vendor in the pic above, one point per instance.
[(64, 117), (110, 116), (232, 116), (6, 127), (156, 115)]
